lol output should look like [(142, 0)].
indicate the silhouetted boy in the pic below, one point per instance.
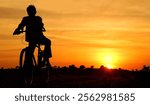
[(34, 31)]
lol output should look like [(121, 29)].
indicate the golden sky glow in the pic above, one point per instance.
[(115, 33)]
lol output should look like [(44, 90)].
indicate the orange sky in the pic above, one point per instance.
[(89, 32)]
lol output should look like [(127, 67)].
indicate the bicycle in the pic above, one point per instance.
[(32, 68)]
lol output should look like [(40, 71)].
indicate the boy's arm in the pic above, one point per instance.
[(22, 24), (20, 27)]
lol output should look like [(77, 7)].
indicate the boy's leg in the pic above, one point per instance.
[(29, 54), (32, 47), (47, 49)]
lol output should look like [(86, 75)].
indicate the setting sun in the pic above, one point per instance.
[(107, 61), (109, 58), (109, 66)]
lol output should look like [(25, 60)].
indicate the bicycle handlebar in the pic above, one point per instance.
[(16, 32)]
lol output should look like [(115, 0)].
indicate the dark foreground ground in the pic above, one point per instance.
[(79, 78)]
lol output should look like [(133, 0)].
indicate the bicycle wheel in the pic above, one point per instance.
[(27, 65)]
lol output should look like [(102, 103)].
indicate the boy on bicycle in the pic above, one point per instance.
[(34, 32)]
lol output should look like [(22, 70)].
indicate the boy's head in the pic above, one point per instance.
[(31, 10)]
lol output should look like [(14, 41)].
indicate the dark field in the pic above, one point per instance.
[(71, 77)]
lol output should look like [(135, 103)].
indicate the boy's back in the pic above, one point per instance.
[(34, 27)]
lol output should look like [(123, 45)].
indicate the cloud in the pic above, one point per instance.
[(14, 13), (5, 37), (81, 8), (11, 13), (99, 39), (97, 7)]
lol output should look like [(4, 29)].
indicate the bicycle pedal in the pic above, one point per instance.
[(44, 67)]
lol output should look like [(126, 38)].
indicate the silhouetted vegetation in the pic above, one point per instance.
[(81, 77)]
